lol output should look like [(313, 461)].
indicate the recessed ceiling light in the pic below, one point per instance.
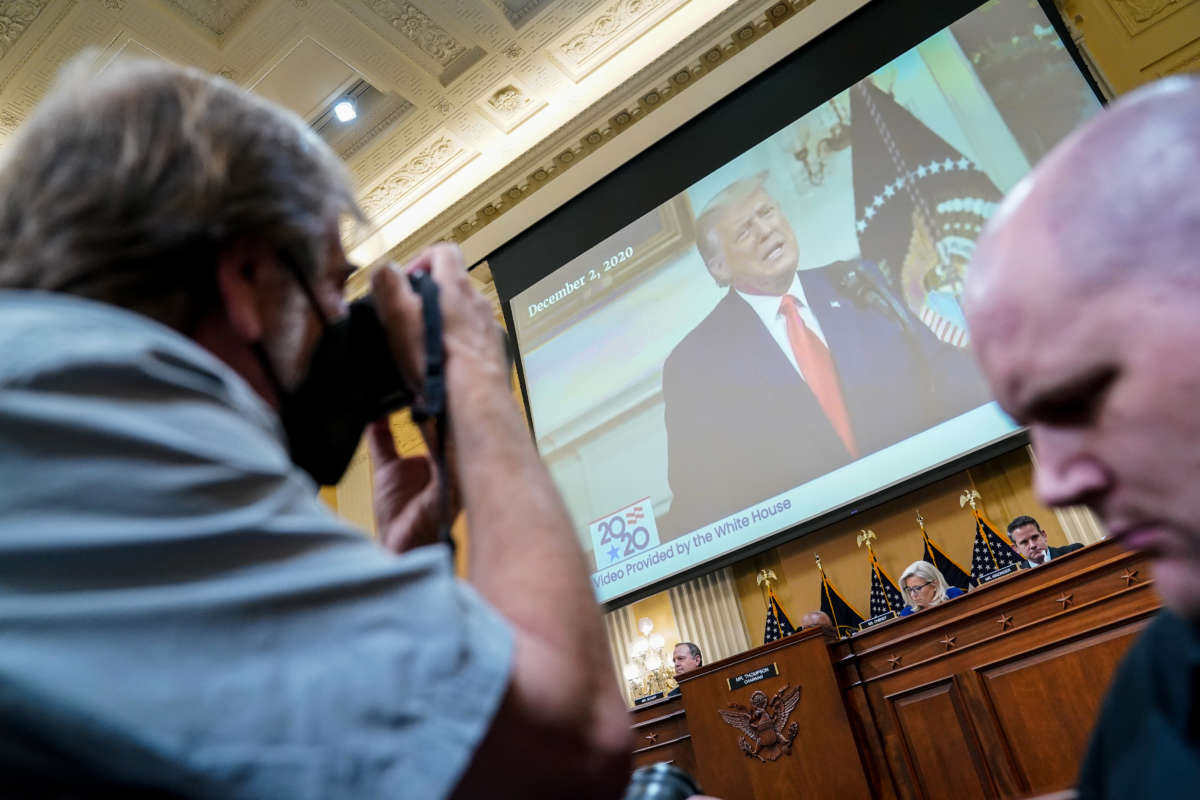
[(345, 111)]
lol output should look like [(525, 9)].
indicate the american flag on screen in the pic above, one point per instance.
[(885, 595), (778, 624), (920, 204), (991, 551)]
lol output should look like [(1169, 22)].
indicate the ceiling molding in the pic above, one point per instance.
[(468, 108), (676, 71)]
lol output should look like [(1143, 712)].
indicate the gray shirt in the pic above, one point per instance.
[(178, 608)]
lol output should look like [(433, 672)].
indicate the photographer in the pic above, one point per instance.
[(181, 616)]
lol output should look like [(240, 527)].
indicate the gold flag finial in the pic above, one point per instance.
[(920, 520), (969, 496), (865, 536), (766, 576), (817, 556)]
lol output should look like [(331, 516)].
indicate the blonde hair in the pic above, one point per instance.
[(927, 572), (124, 186)]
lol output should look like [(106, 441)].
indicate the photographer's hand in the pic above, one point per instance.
[(406, 498), (523, 557)]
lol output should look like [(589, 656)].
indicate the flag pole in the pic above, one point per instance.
[(865, 537), (825, 588), (971, 496), (766, 576), (933, 546)]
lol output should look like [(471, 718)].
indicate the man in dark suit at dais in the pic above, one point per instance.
[(794, 372), (1033, 544)]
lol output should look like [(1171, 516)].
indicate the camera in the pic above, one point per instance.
[(661, 781)]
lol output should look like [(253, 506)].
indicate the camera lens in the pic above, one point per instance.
[(661, 782)]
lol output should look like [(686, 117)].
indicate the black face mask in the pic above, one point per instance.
[(352, 379)]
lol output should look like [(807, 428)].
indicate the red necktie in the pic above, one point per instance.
[(812, 356)]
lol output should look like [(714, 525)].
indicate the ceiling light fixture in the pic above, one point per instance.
[(344, 110)]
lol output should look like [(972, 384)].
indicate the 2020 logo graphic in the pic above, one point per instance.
[(624, 533)]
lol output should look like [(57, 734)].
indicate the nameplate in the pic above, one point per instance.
[(753, 676), (650, 698), (1000, 573), (873, 621)]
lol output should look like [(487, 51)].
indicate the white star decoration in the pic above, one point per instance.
[(982, 208)]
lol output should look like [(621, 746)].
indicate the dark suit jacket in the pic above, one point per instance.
[(1055, 552), (743, 426)]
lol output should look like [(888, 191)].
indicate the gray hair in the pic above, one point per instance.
[(927, 572), (124, 187), (693, 649)]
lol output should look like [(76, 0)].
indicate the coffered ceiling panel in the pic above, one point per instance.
[(518, 12), (305, 79), (595, 39), (466, 107), (422, 38), (217, 16)]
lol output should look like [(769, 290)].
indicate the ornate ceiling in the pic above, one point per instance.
[(468, 108)]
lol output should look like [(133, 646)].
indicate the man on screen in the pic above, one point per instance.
[(1032, 543), (793, 373)]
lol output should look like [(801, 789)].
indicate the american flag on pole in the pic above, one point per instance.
[(885, 595), (991, 551), (778, 624)]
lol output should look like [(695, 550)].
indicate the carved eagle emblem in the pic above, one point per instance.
[(766, 734)]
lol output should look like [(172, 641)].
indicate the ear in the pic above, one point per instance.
[(719, 269), (240, 290)]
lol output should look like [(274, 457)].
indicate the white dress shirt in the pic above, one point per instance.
[(766, 306), (1045, 559)]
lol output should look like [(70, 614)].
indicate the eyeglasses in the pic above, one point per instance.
[(912, 590)]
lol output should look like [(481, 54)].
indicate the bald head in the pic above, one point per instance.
[(1082, 302), (816, 619)]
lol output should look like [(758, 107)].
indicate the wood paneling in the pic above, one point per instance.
[(1058, 677), (660, 733), (936, 730), (1009, 677), (991, 695), (824, 762)]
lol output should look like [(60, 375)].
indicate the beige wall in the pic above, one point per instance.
[(1131, 42)]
